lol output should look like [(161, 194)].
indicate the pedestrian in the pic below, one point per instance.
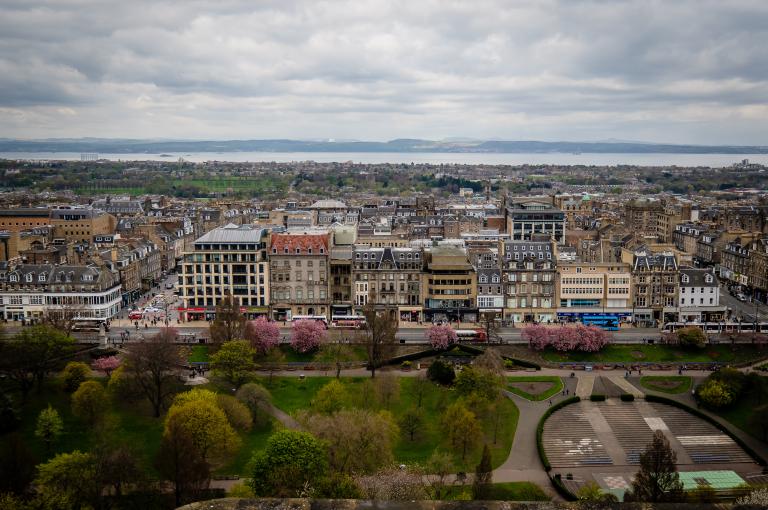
[(550, 401), (567, 392)]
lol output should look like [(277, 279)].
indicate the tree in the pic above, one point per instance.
[(714, 394), (330, 398), (237, 413), (461, 427), (358, 441), (490, 361), (336, 353), (411, 421), (387, 389), (440, 467), (273, 359), (153, 366), (657, 480), (9, 417), (758, 498), (307, 335), (257, 399), (290, 460), (419, 387), (28, 357), (234, 361), (63, 318), (393, 484), (207, 425), (441, 372), (117, 465), (590, 495), (378, 336), (74, 374), (107, 364), (49, 427), (263, 334), (691, 336), (490, 327), (483, 482), (229, 323), (441, 336), (478, 382), (537, 336), (89, 401), (69, 480), (181, 463), (591, 338), (18, 466)]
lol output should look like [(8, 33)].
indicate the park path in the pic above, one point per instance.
[(626, 386)]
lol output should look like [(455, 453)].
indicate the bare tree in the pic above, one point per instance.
[(154, 364), (63, 317), (229, 323), (490, 327), (379, 337)]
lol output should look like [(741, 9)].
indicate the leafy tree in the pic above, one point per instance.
[(714, 394), (330, 398), (290, 460), (107, 364), (307, 335), (657, 480), (195, 395), (441, 336), (478, 382), (9, 417), (89, 401), (74, 374), (237, 413), (49, 427), (358, 441), (234, 361), (440, 467), (180, 462), (691, 336), (208, 427), (153, 366), (31, 354), (117, 465), (378, 336), (461, 427), (387, 389), (257, 399), (229, 323), (419, 387), (69, 480), (411, 421), (441, 372), (263, 334), (483, 482), (336, 486)]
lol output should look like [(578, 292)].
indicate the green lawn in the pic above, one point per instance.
[(557, 386), (253, 441), (198, 354), (358, 353), (667, 384), (659, 354), (291, 395), (505, 491)]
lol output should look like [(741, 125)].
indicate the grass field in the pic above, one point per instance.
[(667, 384), (358, 353), (198, 354), (506, 491), (556, 386), (291, 395), (660, 354)]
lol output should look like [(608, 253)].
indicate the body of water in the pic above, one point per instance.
[(711, 160)]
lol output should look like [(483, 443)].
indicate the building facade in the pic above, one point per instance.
[(299, 270)]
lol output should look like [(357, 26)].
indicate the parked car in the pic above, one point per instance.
[(740, 296)]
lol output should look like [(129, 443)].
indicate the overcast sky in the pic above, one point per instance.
[(677, 71)]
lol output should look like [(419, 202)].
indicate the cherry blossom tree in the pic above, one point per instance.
[(263, 334), (591, 338), (107, 364), (307, 335), (441, 336), (564, 339), (537, 336)]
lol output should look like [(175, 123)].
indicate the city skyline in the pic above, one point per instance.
[(686, 72)]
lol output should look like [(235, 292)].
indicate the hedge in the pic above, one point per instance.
[(627, 397), (663, 400), (596, 397), (540, 429)]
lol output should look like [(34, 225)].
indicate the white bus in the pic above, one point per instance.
[(348, 321), (318, 318)]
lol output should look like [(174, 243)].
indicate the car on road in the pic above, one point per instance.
[(169, 285), (740, 296)]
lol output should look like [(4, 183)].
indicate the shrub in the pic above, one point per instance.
[(237, 413), (441, 372), (74, 374), (597, 397), (121, 387), (89, 401), (714, 394), (627, 397), (691, 336), (257, 398)]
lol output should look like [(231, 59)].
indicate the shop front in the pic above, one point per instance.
[(412, 314)]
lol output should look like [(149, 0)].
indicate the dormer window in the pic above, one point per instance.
[(88, 277), (495, 278), (14, 278), (322, 251), (285, 250), (483, 279), (29, 277), (42, 277), (274, 250), (309, 250), (708, 278), (685, 278), (298, 251)]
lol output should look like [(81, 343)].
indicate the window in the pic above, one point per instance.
[(29, 277), (14, 278)]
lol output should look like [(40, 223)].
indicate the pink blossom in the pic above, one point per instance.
[(307, 335), (566, 339), (441, 336), (106, 364), (537, 336), (263, 334)]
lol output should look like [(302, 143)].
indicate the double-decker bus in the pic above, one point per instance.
[(606, 322), (318, 318), (348, 321), (471, 335)]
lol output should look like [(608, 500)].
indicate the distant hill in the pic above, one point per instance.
[(456, 145)]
